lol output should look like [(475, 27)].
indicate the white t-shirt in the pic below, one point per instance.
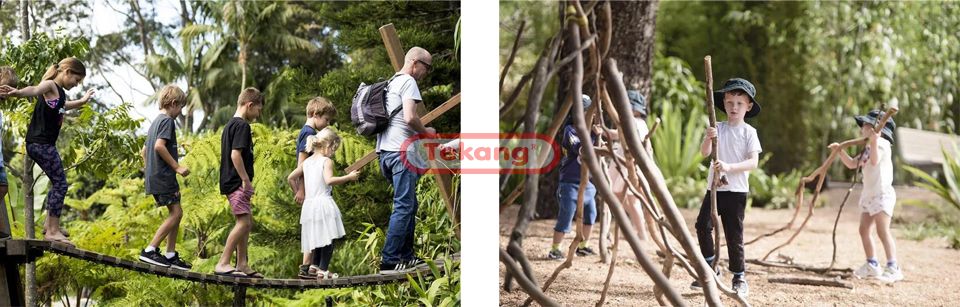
[(402, 87), (642, 132), (736, 143), (878, 193)]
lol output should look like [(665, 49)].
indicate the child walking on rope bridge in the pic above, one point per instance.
[(320, 217), (44, 130), (236, 181), (320, 113), (878, 196), (8, 77), (737, 154), (568, 190), (160, 177)]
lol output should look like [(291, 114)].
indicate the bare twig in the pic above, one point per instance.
[(513, 53), (528, 286)]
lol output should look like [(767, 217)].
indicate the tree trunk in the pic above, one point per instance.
[(31, 269), (632, 42), (25, 20), (142, 29), (242, 59), (184, 18)]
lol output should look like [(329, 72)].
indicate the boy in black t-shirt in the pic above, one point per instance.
[(236, 181)]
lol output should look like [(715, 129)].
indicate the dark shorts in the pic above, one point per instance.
[(164, 200), (3, 173)]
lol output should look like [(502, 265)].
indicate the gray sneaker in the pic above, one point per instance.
[(891, 274), (740, 286), (555, 255), (585, 251), (695, 285)]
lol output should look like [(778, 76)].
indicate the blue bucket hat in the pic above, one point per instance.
[(872, 118), (737, 84), (637, 102)]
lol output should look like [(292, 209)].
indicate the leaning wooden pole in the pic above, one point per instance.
[(589, 157), (528, 286), (618, 93), (715, 183), (531, 182)]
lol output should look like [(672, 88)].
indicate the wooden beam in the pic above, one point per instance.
[(426, 119), (391, 41)]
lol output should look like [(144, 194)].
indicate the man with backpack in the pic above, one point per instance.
[(402, 97)]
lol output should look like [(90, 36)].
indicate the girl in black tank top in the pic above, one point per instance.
[(44, 130)]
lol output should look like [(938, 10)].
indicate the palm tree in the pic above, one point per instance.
[(248, 21), (200, 61)]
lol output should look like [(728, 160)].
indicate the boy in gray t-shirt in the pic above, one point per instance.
[(160, 177)]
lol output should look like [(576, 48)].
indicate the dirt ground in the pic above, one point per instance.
[(931, 268)]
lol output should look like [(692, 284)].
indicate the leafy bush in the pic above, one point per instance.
[(678, 97), (129, 218), (773, 191), (687, 192), (949, 192)]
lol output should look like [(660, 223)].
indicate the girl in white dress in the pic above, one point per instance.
[(320, 217)]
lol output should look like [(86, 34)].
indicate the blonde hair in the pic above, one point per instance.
[(326, 138), (71, 65), (8, 76), (171, 95), (250, 94), (319, 106)]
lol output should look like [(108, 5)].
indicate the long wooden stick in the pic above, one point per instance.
[(525, 214), (613, 265), (578, 220), (528, 286), (618, 93), (715, 183), (836, 282)]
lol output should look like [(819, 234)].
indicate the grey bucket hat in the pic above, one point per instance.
[(872, 118), (586, 102), (738, 84), (637, 102)]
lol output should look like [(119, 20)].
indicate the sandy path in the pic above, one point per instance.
[(932, 269)]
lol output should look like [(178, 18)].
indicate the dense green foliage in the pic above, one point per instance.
[(293, 51)]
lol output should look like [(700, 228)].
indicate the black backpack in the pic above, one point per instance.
[(368, 112)]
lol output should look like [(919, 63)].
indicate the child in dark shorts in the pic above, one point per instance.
[(160, 177)]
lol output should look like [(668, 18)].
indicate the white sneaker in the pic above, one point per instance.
[(891, 274), (868, 270)]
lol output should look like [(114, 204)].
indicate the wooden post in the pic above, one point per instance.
[(239, 296), (30, 271), (11, 289), (391, 41)]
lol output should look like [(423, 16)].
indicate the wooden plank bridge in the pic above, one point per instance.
[(17, 251)]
